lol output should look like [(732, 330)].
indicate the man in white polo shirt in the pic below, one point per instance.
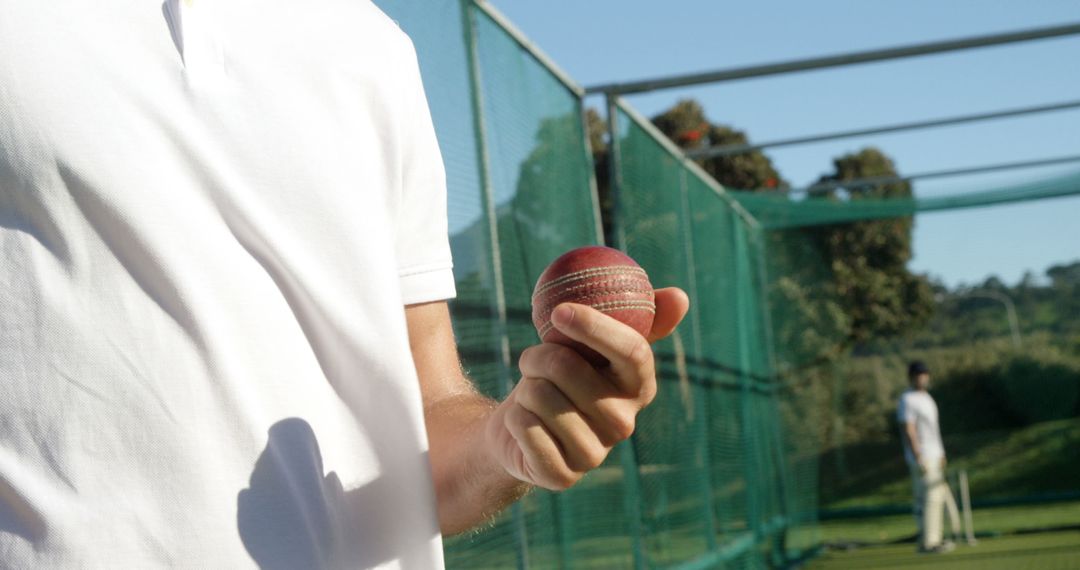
[(925, 456), (224, 261)]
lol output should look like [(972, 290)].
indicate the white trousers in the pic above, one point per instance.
[(931, 496)]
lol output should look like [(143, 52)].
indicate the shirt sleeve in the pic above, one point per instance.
[(904, 413), (422, 242)]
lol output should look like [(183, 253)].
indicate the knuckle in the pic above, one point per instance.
[(594, 324), (523, 396), (563, 479), (648, 390), (640, 355), (527, 358), (532, 393), (545, 393), (594, 456), (610, 421), (563, 363), (514, 417), (519, 419), (588, 453), (623, 425)]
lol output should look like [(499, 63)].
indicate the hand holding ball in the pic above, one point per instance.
[(602, 278)]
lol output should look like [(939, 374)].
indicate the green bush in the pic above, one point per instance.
[(983, 386), (967, 404), (1037, 386)]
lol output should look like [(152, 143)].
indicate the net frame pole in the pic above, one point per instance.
[(735, 149), (628, 453), (701, 404), (526, 44), (870, 181), (786, 483), (839, 60), (751, 465), (594, 187), (1010, 312), (488, 199)]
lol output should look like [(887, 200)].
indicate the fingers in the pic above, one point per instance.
[(542, 461), (608, 411), (672, 305), (627, 351), (565, 416), (581, 447)]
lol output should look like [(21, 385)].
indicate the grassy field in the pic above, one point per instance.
[(987, 522), (1006, 540), (1005, 536), (1043, 551)]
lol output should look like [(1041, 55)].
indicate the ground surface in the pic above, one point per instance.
[(1043, 551), (1031, 536)]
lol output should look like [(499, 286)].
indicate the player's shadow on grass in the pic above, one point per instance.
[(292, 516)]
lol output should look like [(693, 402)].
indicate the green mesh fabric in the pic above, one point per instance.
[(541, 198), (777, 210), (721, 481), (713, 476)]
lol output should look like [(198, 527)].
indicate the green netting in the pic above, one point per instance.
[(711, 477), (539, 173), (723, 470), (721, 481), (777, 210)]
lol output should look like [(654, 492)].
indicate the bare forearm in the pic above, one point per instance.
[(560, 421), (913, 440), (470, 486)]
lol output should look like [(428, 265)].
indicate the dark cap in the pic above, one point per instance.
[(917, 367)]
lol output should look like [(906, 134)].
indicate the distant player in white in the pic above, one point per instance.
[(925, 455)]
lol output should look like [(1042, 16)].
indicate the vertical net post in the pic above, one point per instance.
[(749, 432), (785, 484), (701, 400), (502, 334), (627, 454)]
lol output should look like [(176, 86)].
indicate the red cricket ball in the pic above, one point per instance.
[(605, 279)]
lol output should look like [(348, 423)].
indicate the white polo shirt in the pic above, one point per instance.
[(211, 217), (918, 407)]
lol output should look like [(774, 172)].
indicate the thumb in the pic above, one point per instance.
[(672, 305)]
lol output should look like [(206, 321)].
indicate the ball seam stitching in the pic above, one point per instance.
[(591, 272)]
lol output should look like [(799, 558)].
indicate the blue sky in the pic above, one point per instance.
[(598, 41)]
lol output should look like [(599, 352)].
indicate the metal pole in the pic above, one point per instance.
[(749, 429), (628, 455), (834, 60), (488, 198), (516, 35), (730, 149), (701, 404), (1010, 311), (590, 167), (870, 181)]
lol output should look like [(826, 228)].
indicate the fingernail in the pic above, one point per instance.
[(562, 316)]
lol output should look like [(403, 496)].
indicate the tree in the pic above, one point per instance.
[(869, 258), (1064, 293), (1065, 276), (870, 290), (686, 125)]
